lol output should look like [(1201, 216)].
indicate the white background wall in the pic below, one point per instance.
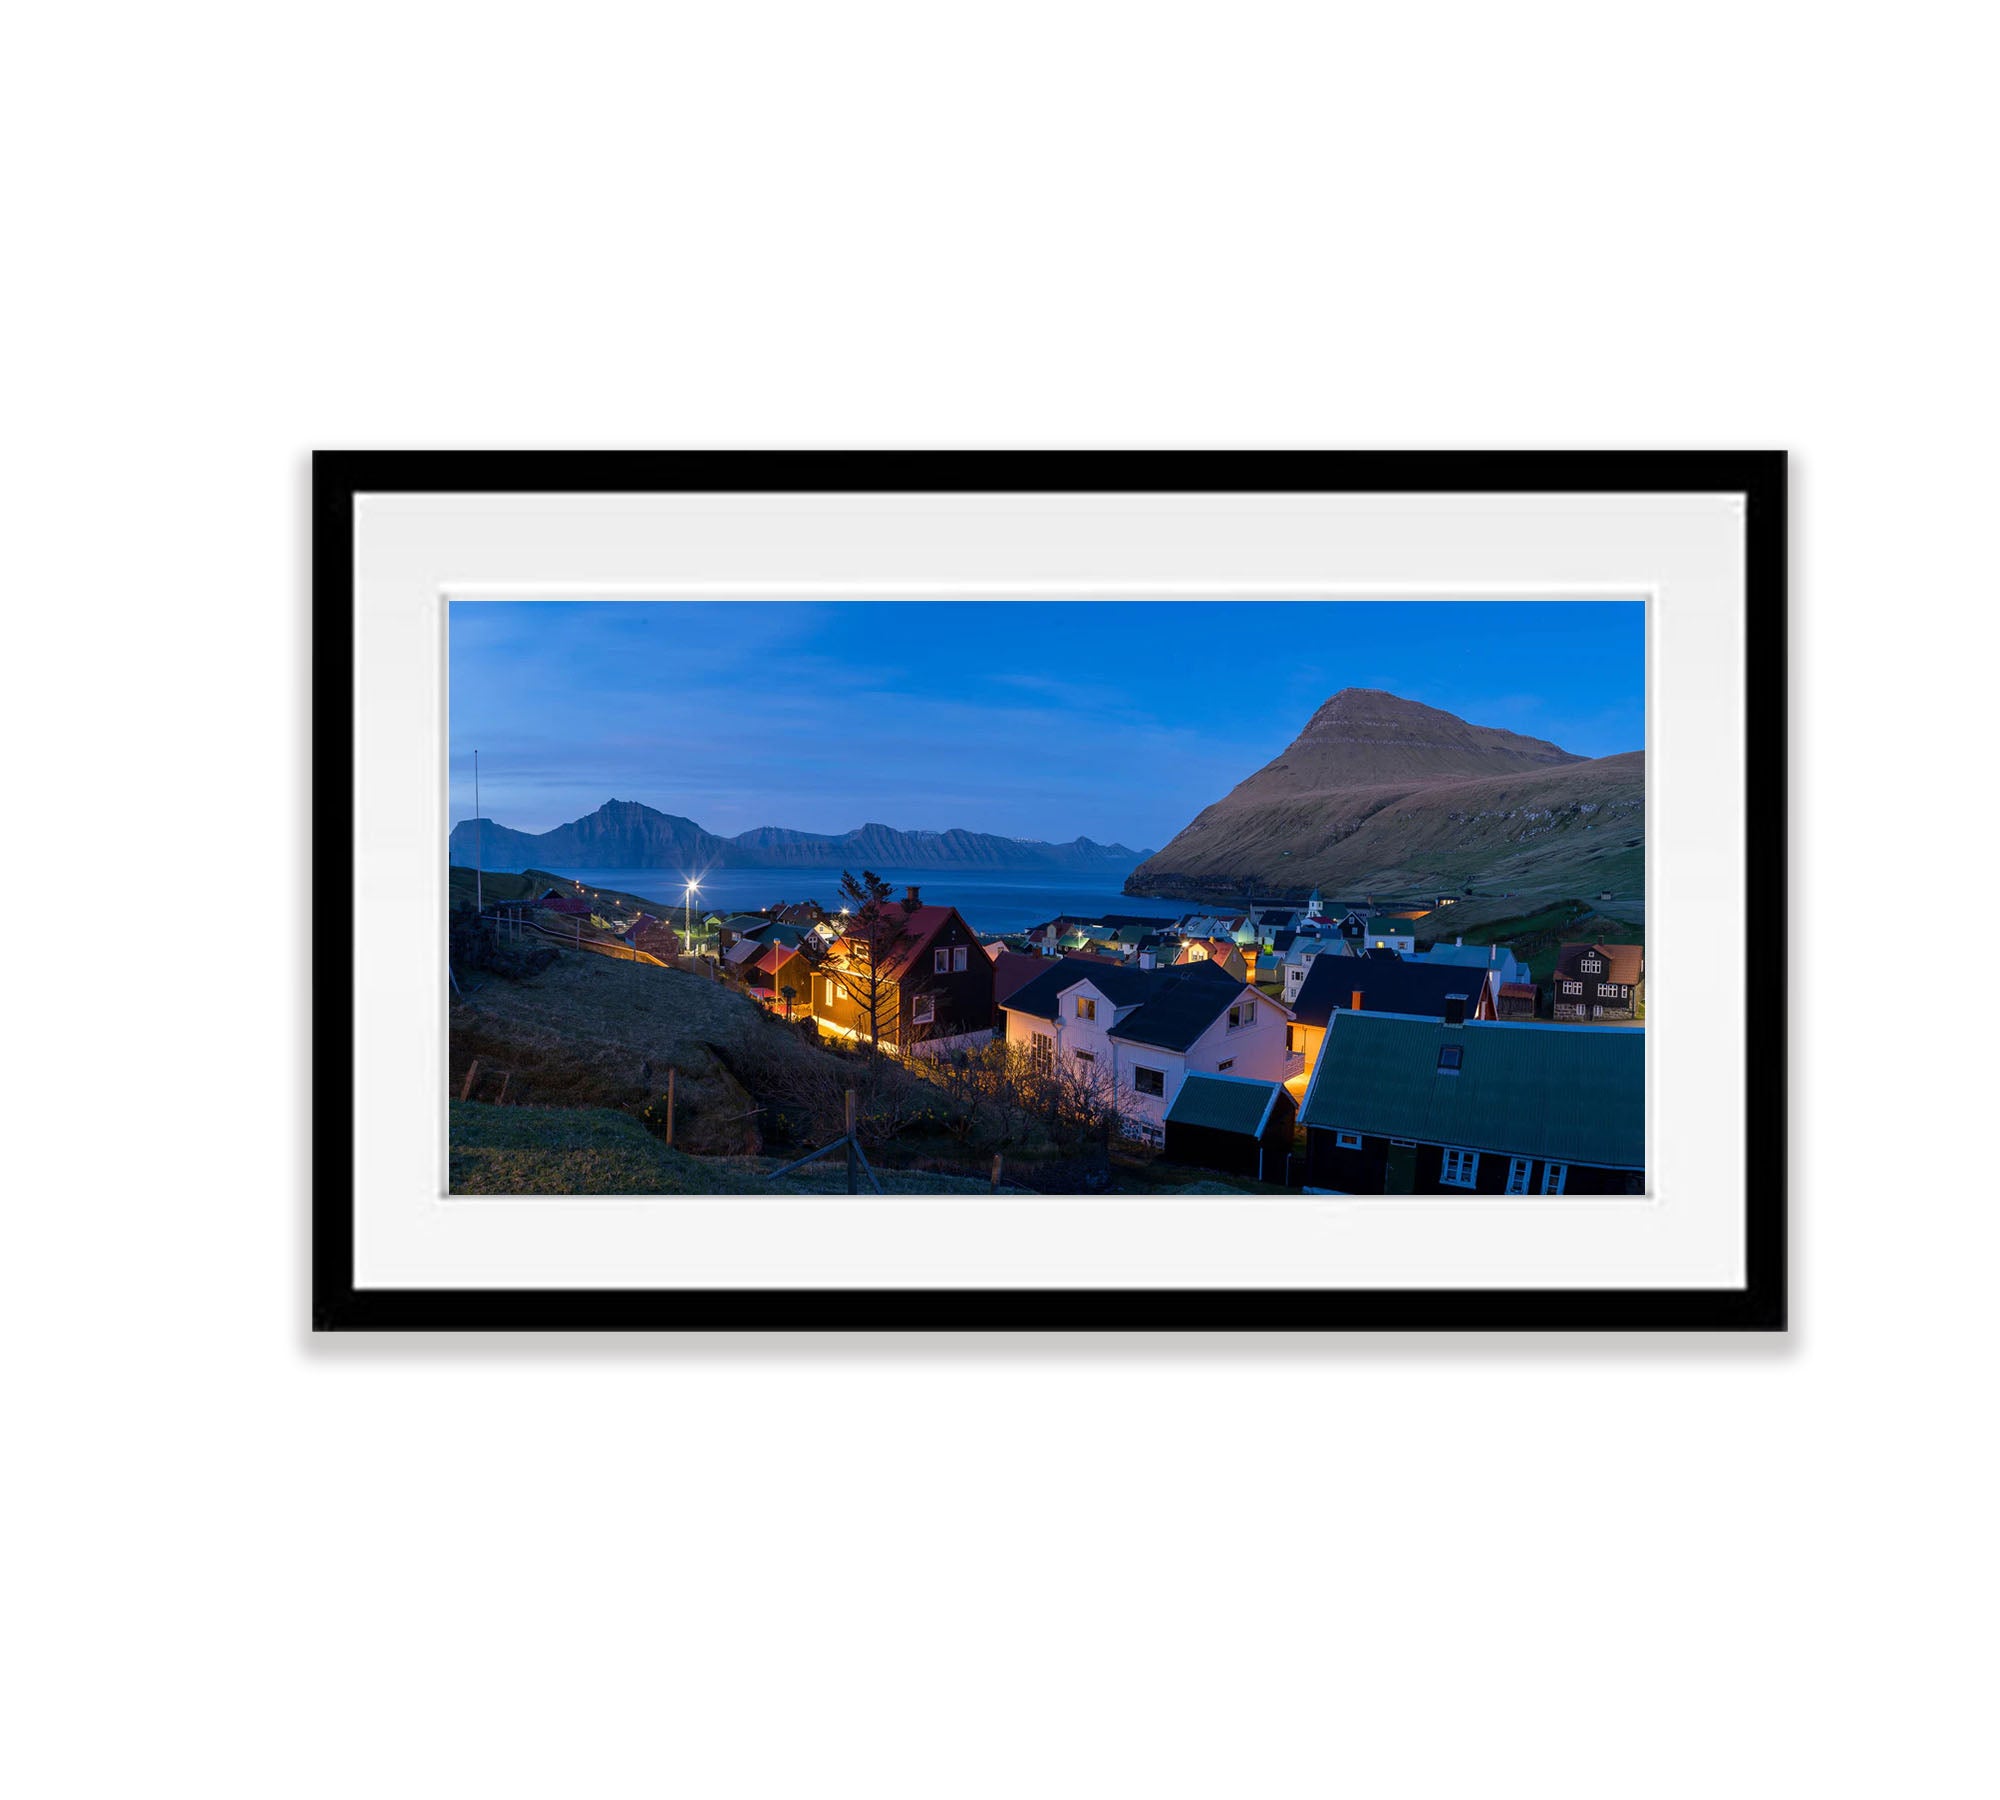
[(242, 1563)]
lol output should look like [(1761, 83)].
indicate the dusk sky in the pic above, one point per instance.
[(1117, 720)]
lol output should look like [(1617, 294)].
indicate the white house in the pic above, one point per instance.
[(1143, 1031), (1299, 958)]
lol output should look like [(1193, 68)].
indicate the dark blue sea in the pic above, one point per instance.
[(992, 901)]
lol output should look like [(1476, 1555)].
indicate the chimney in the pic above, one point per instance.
[(1454, 1009), (1354, 1000), (910, 896)]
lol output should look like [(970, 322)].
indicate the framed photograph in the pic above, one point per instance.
[(1064, 892)]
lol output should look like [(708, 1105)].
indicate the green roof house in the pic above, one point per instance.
[(1232, 1124), (1402, 1105)]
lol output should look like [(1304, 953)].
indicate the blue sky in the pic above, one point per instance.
[(1116, 720)]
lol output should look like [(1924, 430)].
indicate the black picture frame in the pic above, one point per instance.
[(339, 477)]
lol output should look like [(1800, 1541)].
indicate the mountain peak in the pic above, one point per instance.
[(1374, 734)]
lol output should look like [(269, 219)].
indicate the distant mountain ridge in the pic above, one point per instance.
[(624, 834), (1381, 794)]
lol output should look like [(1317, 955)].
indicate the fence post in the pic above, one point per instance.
[(471, 1080), (853, 1169), (995, 1188), (670, 1107)]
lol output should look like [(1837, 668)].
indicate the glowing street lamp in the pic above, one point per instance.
[(687, 920)]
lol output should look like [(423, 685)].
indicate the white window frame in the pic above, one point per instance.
[(923, 1009), (1517, 1173), (940, 962), (1460, 1168), (830, 984), (1084, 1056), (1592, 965), (1159, 1075), (958, 959), (1086, 1007), (1555, 1178), (1347, 1140), (1572, 987)]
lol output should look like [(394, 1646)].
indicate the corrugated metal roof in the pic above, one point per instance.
[(1569, 1093), (1224, 1103)]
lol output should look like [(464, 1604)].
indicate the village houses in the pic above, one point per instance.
[(1143, 1031)]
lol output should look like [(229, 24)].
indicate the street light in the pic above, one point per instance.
[(687, 920)]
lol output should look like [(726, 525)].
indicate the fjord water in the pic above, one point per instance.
[(991, 900)]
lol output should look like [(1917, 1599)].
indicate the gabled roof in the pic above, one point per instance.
[(1232, 1103), (1387, 985), (1170, 1007), (1567, 1093), (1382, 925), (1622, 962), (740, 922), (1123, 984), (1179, 1011), (1468, 956), (743, 951), (1013, 970), (915, 929)]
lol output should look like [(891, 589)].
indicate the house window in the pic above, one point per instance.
[(1223, 1068), (1592, 965), (1461, 1168), (1086, 1008), (923, 1010), (1243, 1014), (1041, 1050), (1451, 1059), (958, 959), (1572, 987), (940, 962), (829, 993), (1517, 1174), (1554, 1175), (1149, 1081), (1086, 1056), (1347, 1140)]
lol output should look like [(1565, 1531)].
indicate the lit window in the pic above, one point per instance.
[(1041, 1050), (1347, 1140), (1554, 1175), (1451, 1059), (1461, 1168), (1295, 1039), (1149, 1081), (923, 1010), (1517, 1174), (1086, 1008)]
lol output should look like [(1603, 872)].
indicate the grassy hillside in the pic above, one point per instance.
[(1536, 937), (532, 882), (592, 1150), (1579, 828), (593, 1032)]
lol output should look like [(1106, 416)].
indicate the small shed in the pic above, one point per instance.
[(1232, 1124)]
